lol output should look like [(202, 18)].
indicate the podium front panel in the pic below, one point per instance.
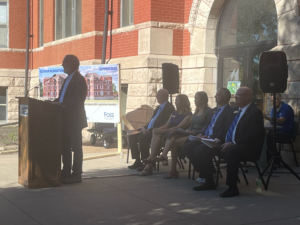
[(40, 144)]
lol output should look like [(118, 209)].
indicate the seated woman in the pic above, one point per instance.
[(178, 119), (177, 139)]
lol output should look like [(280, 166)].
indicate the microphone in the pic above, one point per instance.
[(31, 89)]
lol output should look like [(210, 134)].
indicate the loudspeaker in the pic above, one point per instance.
[(273, 72), (170, 74)]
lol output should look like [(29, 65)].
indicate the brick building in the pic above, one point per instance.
[(52, 85), (99, 87), (210, 40)]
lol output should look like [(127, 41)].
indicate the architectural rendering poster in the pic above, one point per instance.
[(102, 99)]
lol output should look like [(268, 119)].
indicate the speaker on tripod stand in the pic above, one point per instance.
[(273, 74), (170, 74)]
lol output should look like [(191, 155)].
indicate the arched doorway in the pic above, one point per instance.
[(246, 28)]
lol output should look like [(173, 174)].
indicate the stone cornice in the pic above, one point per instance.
[(166, 25), (12, 50)]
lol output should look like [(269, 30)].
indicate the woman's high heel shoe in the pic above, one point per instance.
[(146, 173), (171, 175)]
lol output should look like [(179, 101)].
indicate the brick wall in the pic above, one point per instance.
[(17, 24), (167, 11), (124, 44), (49, 21), (178, 42), (142, 11)]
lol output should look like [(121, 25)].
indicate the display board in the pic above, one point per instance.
[(102, 103)]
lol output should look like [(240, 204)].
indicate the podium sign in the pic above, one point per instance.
[(40, 139)]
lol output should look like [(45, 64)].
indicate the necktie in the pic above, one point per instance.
[(212, 122), (232, 127)]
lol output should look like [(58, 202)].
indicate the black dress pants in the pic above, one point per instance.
[(190, 149), (233, 155), (144, 140), (72, 142)]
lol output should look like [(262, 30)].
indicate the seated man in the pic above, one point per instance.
[(160, 117), (285, 118), (213, 127), (244, 140)]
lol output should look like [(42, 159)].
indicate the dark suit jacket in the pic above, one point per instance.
[(250, 130), (218, 130), (74, 116), (163, 117)]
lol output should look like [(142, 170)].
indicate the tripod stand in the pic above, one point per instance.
[(276, 157)]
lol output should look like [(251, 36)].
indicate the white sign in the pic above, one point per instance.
[(24, 110), (104, 113)]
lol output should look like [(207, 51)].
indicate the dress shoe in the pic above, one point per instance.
[(206, 186), (230, 192), (135, 165), (72, 180)]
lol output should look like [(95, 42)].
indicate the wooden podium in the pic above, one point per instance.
[(40, 137)]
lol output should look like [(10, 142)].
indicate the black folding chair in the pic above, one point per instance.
[(223, 161), (190, 168), (290, 141)]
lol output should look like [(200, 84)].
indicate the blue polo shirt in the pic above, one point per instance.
[(287, 112)]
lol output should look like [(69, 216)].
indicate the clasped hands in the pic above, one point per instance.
[(224, 146)]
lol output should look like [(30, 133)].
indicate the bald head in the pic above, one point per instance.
[(162, 96), (243, 96)]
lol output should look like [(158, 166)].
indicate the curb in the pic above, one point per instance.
[(10, 147), (100, 156), (8, 151)]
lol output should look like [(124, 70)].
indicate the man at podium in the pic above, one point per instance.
[(72, 96)]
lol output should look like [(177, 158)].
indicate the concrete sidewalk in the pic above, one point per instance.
[(134, 200)]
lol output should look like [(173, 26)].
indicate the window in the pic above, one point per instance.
[(67, 18), (126, 13), (4, 24), (3, 104), (245, 21), (41, 22), (246, 29)]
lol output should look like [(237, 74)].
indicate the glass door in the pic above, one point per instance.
[(239, 66)]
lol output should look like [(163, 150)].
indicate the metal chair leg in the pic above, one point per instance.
[(218, 172), (128, 153), (178, 162), (194, 173), (181, 164), (260, 175), (244, 175), (190, 167), (294, 154)]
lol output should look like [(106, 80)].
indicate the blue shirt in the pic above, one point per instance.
[(61, 98), (215, 118), (152, 121), (287, 112), (243, 110)]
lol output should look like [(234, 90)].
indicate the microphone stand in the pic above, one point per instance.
[(276, 157)]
